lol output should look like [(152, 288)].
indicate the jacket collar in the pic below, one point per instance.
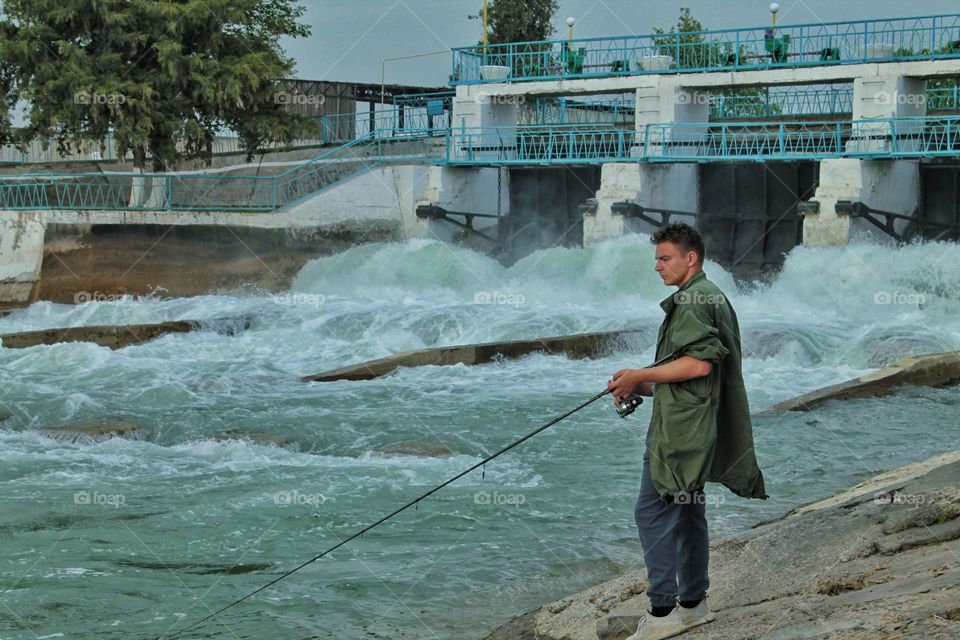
[(668, 303)]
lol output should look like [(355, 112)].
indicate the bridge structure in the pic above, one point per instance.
[(764, 136)]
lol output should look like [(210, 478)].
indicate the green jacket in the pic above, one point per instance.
[(700, 430)]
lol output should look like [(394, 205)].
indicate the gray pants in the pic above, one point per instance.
[(676, 549)]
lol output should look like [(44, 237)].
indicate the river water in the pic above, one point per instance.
[(138, 538)]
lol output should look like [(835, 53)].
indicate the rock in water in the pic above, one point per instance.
[(95, 431), (414, 449)]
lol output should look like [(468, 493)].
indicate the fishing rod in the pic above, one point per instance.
[(624, 407)]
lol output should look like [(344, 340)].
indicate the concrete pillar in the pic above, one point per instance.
[(619, 181), (497, 115), (21, 254), (881, 98), (466, 189), (663, 100), (669, 186), (885, 185)]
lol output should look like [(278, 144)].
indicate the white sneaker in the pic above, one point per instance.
[(653, 628), (697, 615)]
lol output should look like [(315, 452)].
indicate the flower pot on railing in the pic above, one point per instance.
[(652, 62), (494, 72), (777, 47)]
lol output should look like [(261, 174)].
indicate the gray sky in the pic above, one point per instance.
[(351, 37)]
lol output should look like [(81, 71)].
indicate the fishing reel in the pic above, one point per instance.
[(628, 405)]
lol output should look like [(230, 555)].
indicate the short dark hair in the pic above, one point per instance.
[(682, 234)]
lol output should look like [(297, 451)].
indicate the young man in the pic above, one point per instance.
[(700, 432)]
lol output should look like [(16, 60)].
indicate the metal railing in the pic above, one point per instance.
[(880, 138), (382, 123), (611, 111), (46, 152), (828, 43), (539, 144), (131, 191)]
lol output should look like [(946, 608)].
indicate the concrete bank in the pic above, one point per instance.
[(930, 370), (881, 560), (122, 335)]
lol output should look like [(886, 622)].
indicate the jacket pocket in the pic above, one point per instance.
[(686, 436)]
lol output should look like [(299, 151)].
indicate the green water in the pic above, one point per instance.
[(136, 539)]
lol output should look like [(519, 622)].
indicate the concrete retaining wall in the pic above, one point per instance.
[(21, 254)]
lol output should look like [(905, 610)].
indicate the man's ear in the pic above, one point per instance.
[(692, 258)]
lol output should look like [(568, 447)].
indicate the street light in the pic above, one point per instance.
[(774, 8), (570, 22)]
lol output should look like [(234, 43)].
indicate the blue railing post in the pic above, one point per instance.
[(169, 191), (781, 136), (933, 35), (678, 51)]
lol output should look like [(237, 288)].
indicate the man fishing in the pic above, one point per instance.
[(700, 431)]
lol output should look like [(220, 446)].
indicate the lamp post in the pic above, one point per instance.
[(774, 8), (570, 22)]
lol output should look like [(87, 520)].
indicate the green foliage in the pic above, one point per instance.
[(163, 75), (518, 20)]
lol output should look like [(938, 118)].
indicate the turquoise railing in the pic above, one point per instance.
[(882, 138), (546, 144), (384, 123), (729, 141), (211, 191), (828, 43)]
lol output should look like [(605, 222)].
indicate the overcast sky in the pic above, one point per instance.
[(352, 37)]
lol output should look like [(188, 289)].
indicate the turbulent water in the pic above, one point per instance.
[(138, 538)]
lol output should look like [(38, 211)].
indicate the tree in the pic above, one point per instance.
[(518, 20), (163, 76)]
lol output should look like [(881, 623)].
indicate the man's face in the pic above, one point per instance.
[(673, 264)]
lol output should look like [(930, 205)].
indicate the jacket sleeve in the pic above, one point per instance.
[(695, 335)]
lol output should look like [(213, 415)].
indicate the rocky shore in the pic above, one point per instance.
[(881, 560)]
